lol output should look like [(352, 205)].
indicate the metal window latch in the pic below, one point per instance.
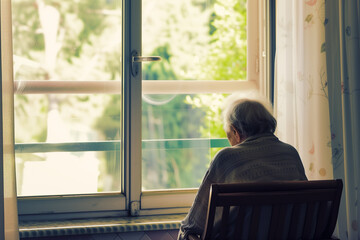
[(136, 60), (135, 208)]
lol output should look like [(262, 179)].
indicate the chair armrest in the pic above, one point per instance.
[(193, 237)]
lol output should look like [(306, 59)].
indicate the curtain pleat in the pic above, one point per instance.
[(343, 71)]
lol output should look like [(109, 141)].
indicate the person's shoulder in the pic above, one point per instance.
[(273, 144), (287, 145), (225, 159), (287, 148), (226, 151)]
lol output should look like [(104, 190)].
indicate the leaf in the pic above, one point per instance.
[(309, 18), (323, 47)]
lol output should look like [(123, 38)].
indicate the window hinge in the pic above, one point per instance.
[(135, 208)]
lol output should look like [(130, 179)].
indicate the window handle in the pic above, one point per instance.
[(135, 59), (146, 59)]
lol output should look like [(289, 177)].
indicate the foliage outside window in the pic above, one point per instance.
[(81, 41)]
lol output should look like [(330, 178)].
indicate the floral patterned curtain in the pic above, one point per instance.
[(342, 27), (317, 94), (301, 93)]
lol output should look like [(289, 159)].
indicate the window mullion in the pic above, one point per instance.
[(132, 106)]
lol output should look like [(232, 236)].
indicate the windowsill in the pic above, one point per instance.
[(99, 226)]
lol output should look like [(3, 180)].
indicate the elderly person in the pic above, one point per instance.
[(255, 155)]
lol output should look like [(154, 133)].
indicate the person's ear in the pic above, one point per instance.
[(236, 134)]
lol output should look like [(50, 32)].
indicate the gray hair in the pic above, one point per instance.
[(249, 117)]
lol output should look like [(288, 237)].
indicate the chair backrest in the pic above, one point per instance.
[(274, 210)]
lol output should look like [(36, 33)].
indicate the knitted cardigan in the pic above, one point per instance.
[(259, 158)]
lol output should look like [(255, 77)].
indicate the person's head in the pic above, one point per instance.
[(244, 118)]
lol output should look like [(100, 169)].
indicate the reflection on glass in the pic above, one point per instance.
[(66, 41)]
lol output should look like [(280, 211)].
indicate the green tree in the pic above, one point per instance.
[(226, 60), (224, 52), (62, 40), (80, 25), (194, 42)]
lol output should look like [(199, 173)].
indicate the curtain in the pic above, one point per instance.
[(342, 27), (300, 92), (8, 212)]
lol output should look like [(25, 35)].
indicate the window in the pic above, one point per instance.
[(100, 134)]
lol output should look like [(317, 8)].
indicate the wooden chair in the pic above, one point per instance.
[(273, 210)]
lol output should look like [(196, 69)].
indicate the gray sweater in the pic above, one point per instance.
[(259, 158)]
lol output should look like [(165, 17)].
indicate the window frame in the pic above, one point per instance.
[(132, 199)]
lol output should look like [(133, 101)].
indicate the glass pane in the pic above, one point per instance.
[(58, 173), (181, 133), (197, 40), (68, 41)]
